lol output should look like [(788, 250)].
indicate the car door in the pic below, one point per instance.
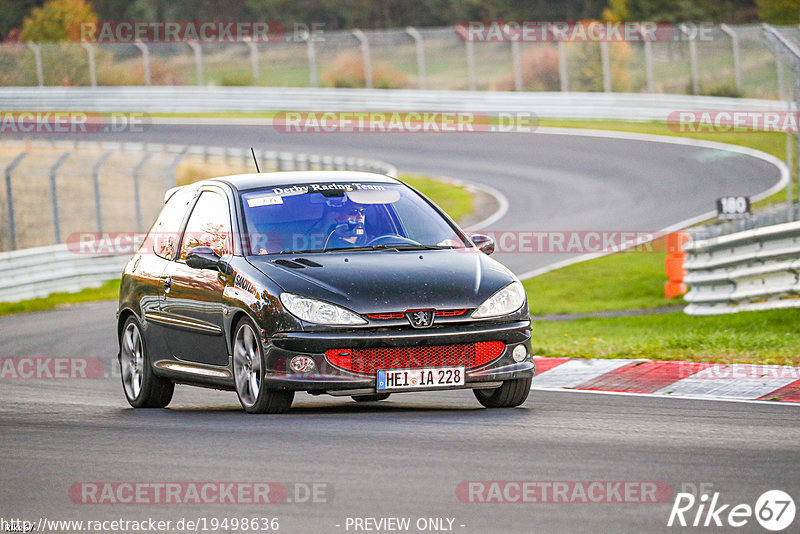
[(158, 251), (192, 303)]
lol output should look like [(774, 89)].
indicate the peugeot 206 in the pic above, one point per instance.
[(329, 282)]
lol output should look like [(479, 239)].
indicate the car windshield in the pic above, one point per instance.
[(320, 217)]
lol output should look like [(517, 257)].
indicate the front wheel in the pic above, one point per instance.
[(143, 389), (248, 373), (512, 393)]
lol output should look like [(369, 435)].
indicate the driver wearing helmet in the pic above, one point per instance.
[(347, 229)]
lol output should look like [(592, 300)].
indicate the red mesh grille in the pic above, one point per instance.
[(384, 316), (370, 360), (449, 313)]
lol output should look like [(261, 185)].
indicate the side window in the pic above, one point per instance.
[(164, 234), (208, 226)]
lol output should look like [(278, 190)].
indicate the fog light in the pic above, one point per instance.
[(302, 364), (520, 353)]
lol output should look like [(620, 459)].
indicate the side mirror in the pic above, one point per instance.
[(202, 258), (484, 243)]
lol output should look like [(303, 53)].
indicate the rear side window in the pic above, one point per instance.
[(208, 226), (164, 234)]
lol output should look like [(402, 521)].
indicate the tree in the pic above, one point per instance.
[(13, 11), (617, 10), (779, 11), (57, 20)]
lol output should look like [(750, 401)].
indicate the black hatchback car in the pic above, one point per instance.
[(335, 282)]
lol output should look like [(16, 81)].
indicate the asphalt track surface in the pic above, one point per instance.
[(552, 182), (405, 457)]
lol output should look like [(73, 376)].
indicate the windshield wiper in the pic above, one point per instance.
[(399, 246), (407, 246)]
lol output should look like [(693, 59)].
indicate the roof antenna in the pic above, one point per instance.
[(255, 160)]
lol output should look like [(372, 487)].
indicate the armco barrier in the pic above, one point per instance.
[(746, 271), (37, 272), (622, 106)]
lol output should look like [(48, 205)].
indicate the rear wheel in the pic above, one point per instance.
[(248, 374), (143, 389), (512, 393), (371, 398)]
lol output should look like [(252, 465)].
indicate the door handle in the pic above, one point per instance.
[(167, 284)]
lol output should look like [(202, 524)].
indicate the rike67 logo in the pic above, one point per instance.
[(774, 510)]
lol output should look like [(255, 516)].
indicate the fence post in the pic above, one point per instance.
[(362, 38), (171, 181), (563, 73), (146, 60), (254, 61), (737, 65), (311, 53), (10, 198), (96, 179), (420, 45), (37, 56), (692, 60), (198, 61), (796, 87), (54, 195), (470, 51), (648, 66), (517, 65), (606, 66), (136, 198), (92, 66), (470, 48), (783, 96)]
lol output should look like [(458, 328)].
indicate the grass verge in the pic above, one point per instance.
[(622, 281), (455, 200), (109, 290), (768, 337)]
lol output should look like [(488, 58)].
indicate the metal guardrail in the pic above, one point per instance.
[(37, 272), (621, 106), (753, 270)]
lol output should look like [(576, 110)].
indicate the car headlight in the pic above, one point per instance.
[(316, 311), (507, 300)]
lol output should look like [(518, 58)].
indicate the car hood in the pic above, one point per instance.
[(389, 280)]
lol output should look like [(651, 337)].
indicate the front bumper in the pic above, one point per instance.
[(328, 378)]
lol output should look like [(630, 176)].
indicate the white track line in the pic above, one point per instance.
[(681, 397)]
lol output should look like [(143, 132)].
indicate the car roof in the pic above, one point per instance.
[(243, 182)]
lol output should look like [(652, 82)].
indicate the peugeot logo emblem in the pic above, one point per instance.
[(420, 318)]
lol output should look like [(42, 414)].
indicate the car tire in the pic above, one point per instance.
[(511, 394), (142, 387), (371, 398), (248, 373)]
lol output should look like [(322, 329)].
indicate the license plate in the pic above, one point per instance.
[(427, 377)]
